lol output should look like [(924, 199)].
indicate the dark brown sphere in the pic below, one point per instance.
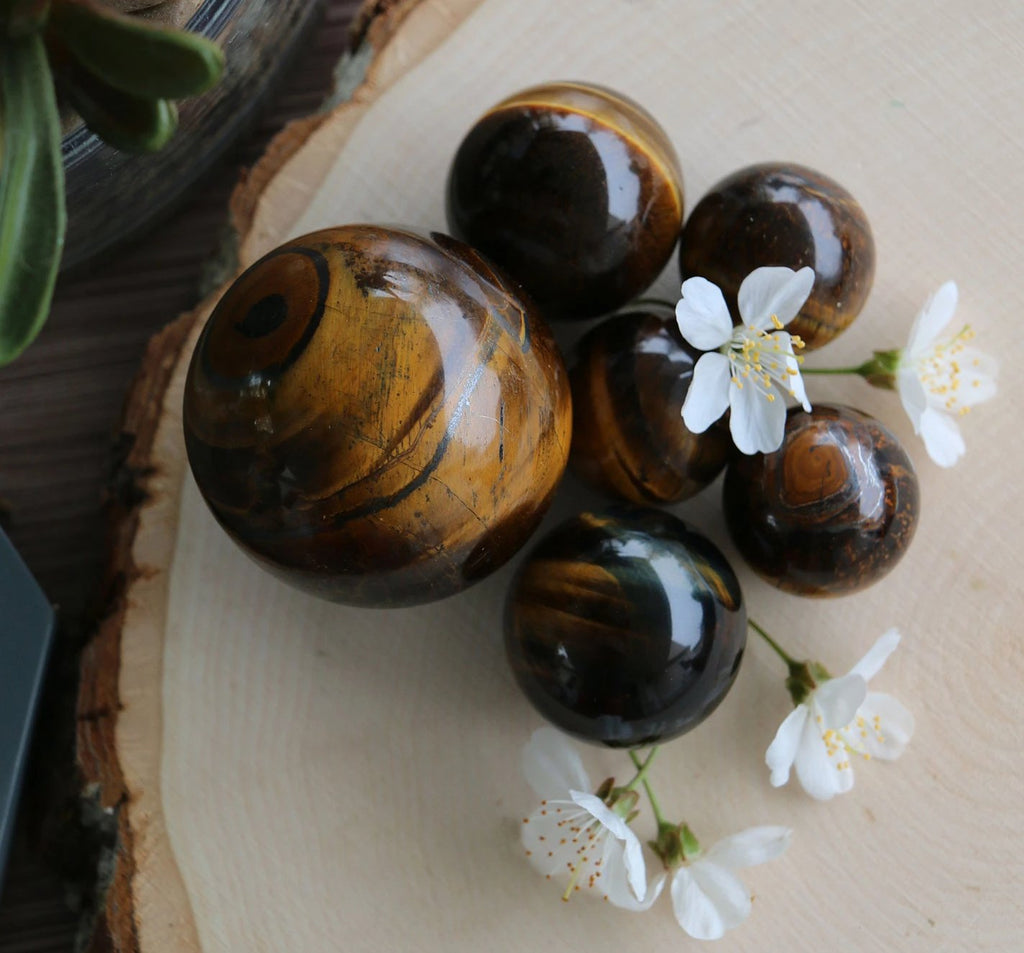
[(784, 214), (831, 511), (376, 416), (572, 189), (629, 382), (625, 628)]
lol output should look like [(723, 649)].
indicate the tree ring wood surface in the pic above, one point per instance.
[(297, 775)]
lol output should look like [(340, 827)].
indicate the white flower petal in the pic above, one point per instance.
[(708, 900), (552, 766), (694, 910), (633, 861), (941, 437), (594, 806), (616, 887), (707, 397), (822, 770), (869, 666), (773, 291), (979, 373), (702, 315), (753, 846), (912, 395), (789, 368), (782, 751), (633, 855), (757, 424), (838, 699), (887, 726), (725, 890), (932, 318)]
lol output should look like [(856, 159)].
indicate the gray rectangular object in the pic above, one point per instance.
[(26, 631)]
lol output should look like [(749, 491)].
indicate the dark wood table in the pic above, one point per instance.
[(59, 411)]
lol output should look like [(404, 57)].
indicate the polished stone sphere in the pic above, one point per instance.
[(629, 381), (784, 214), (625, 628), (574, 190), (376, 416), (831, 511)]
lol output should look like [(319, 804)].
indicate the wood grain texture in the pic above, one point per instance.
[(313, 786), (61, 463), (145, 891)]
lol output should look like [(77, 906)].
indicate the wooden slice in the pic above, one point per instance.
[(289, 774)]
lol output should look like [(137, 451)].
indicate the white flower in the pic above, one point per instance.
[(574, 834), (939, 380), (707, 896), (749, 367), (838, 719)]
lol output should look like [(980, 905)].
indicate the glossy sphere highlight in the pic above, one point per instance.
[(831, 511), (376, 416), (626, 628), (572, 189), (628, 387), (784, 214)]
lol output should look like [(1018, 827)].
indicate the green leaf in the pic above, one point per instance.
[(126, 122), (32, 217), (137, 57)]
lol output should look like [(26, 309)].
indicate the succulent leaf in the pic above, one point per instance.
[(140, 58), (126, 122), (32, 216)]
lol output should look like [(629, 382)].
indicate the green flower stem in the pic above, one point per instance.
[(642, 768), (648, 790), (804, 677), (859, 369), (675, 843), (879, 371), (779, 650)]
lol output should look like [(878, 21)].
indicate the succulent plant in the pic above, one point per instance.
[(121, 74)]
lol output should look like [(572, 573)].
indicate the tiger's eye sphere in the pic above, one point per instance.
[(628, 437), (828, 513), (625, 628), (784, 214), (375, 416), (572, 189)]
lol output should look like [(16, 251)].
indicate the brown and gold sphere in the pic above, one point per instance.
[(784, 214), (574, 190), (629, 382), (376, 416), (625, 628), (831, 511)]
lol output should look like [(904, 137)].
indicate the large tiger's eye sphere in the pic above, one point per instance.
[(783, 214), (831, 511), (572, 189), (375, 416), (628, 387), (625, 628)]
